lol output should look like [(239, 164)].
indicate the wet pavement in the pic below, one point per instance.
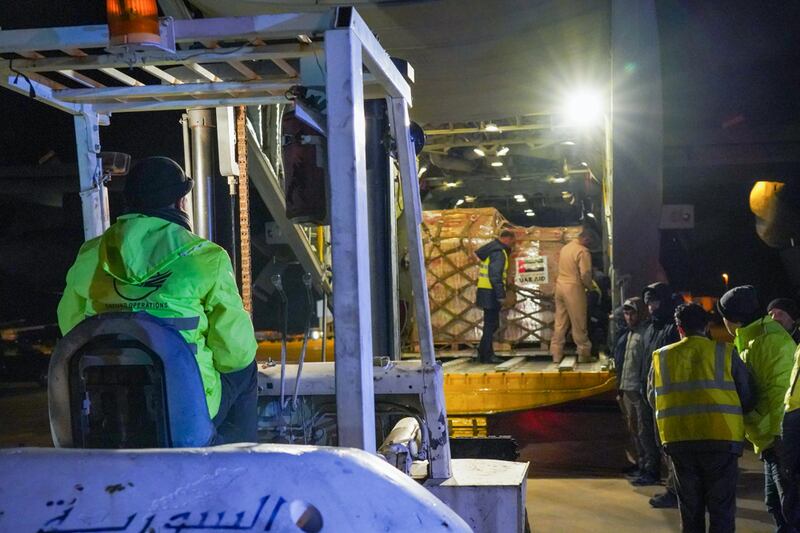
[(576, 453)]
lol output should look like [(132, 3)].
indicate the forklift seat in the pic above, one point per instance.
[(126, 380)]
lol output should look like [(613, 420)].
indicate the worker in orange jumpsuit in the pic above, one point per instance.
[(574, 279)]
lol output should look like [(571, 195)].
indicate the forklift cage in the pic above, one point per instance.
[(253, 61)]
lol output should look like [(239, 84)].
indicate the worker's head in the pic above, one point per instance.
[(633, 311), (739, 307), (155, 183), (785, 312), (587, 238), (507, 237), (691, 319), (657, 297)]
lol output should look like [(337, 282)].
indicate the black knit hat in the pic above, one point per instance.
[(156, 182), (786, 305), (740, 304)]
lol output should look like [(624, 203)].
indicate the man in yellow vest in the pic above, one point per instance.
[(790, 458), (701, 390), (574, 279), (768, 352), (492, 284)]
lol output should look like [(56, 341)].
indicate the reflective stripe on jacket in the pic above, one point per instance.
[(484, 282), (696, 396), (148, 264), (768, 352)]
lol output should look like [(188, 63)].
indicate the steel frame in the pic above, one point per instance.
[(349, 46)]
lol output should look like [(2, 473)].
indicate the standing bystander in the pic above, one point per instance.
[(768, 352), (660, 332), (786, 312), (701, 389), (638, 413)]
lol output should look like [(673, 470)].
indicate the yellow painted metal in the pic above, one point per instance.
[(467, 426), (474, 393), (321, 244), (764, 198), (471, 395), (272, 349)]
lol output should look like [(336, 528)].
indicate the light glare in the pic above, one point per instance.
[(583, 107)]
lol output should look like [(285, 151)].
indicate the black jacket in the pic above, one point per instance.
[(620, 344), (493, 298), (661, 329)]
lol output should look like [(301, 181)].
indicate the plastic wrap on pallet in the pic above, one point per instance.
[(459, 223), (450, 238)]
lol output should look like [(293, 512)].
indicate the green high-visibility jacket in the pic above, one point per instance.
[(144, 263), (792, 400), (768, 353)]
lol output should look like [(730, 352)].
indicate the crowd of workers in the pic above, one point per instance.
[(690, 402)]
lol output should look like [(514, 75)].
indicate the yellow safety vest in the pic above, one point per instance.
[(696, 396), (483, 275), (792, 400)]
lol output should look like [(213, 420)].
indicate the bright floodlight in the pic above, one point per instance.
[(505, 178), (497, 163), (503, 151), (479, 152), (583, 107), (460, 202), (491, 127)]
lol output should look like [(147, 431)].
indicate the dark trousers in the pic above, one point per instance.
[(706, 481), (775, 488), (790, 463), (640, 423), (491, 322), (237, 418)]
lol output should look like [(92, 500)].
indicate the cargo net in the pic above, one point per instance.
[(450, 239)]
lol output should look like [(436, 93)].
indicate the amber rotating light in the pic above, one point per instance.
[(133, 22)]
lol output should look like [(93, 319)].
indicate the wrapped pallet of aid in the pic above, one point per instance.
[(450, 239), (534, 268)]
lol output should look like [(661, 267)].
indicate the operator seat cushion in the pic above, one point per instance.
[(188, 423)]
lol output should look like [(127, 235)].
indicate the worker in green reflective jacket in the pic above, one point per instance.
[(149, 260), (768, 353)]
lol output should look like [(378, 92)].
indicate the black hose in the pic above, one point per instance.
[(309, 315), (276, 281)]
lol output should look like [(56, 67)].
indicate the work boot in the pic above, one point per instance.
[(666, 500), (646, 479), (634, 474), (631, 470)]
